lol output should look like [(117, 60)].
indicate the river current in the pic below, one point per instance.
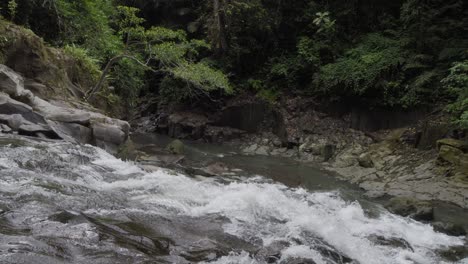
[(64, 203)]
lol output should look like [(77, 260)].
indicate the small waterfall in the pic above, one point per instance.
[(63, 203)]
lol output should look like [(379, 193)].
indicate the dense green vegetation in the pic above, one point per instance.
[(388, 54)]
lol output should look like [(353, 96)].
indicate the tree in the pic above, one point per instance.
[(159, 49)]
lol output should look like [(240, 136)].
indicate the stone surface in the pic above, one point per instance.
[(73, 132), (404, 206), (176, 147), (5, 129), (450, 154), (108, 133), (459, 144), (37, 130), (78, 117), (185, 125), (9, 106), (10, 81), (365, 160)]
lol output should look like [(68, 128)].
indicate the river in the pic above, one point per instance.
[(65, 203)]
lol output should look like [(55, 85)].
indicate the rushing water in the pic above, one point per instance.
[(62, 203)]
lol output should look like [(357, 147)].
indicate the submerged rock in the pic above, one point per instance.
[(417, 209), (449, 229)]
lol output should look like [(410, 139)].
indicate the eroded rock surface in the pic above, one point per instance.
[(26, 114)]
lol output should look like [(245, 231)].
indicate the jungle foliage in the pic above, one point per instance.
[(375, 53)]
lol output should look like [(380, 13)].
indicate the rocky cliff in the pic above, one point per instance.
[(41, 90)]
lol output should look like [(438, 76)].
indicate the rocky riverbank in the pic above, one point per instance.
[(423, 158)]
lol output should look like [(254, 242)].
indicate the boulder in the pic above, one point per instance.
[(417, 209), (78, 117), (108, 133), (459, 144), (10, 106), (37, 130), (176, 147), (450, 154), (449, 229), (349, 156), (5, 129), (365, 160), (215, 169), (13, 121), (72, 132)]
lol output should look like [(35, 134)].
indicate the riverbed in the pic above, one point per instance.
[(65, 203)]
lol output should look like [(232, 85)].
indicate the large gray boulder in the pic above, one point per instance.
[(108, 136), (9, 106), (30, 115), (72, 132)]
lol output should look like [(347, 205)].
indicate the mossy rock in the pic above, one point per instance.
[(459, 144), (450, 154), (176, 147)]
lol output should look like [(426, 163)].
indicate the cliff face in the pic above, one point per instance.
[(48, 71), (41, 91)]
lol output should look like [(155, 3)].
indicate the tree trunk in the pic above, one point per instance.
[(219, 40), (106, 70)]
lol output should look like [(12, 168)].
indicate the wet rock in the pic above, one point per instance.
[(13, 121), (297, 261), (10, 106), (162, 158), (449, 229), (455, 254), (391, 241), (216, 169), (108, 133), (417, 209), (349, 156), (185, 125), (108, 137), (450, 154), (73, 132), (176, 147), (5, 129), (272, 252), (37, 130), (365, 160)]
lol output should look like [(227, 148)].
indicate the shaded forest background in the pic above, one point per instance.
[(406, 54)]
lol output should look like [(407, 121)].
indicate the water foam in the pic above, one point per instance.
[(272, 212), (259, 211)]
